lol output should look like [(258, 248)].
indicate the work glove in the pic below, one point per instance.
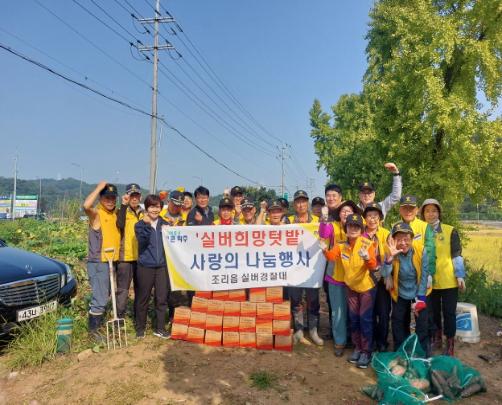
[(420, 305), (389, 283), (429, 281), (323, 244), (324, 214), (461, 283)]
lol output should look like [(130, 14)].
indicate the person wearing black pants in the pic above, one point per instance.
[(152, 269), (445, 302), (381, 316)]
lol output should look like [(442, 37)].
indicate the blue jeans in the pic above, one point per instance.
[(99, 279), (338, 300)]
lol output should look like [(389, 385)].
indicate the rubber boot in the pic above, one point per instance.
[(450, 346), (437, 340), (299, 338), (315, 337), (95, 321)]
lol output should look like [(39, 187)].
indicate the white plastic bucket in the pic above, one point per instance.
[(467, 323)]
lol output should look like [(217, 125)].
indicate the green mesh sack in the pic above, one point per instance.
[(404, 394), (450, 378)]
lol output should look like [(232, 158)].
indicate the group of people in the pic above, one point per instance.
[(374, 279)]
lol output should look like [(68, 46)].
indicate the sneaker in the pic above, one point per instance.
[(163, 334), (354, 357), (364, 360), (339, 351), (140, 334)]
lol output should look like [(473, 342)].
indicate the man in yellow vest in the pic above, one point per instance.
[(103, 234), (449, 276), (129, 213), (406, 272), (302, 215)]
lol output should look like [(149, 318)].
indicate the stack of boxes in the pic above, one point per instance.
[(231, 319)]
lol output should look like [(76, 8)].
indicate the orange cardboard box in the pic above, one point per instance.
[(215, 307), (213, 338), (264, 326), (264, 310), (282, 311), (237, 295), (214, 322), (195, 335), (198, 319), (220, 295), (199, 304), (274, 294), (284, 343), (179, 331), (182, 315), (204, 294), (257, 295), (247, 324), (248, 309), (280, 327), (231, 323), (264, 341), (231, 339), (232, 308), (247, 339)]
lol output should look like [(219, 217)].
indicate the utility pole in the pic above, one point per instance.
[(155, 48), (39, 195), (14, 193), (282, 158)]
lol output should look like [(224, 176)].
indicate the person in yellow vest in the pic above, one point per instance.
[(173, 216), (373, 215), (171, 213), (449, 276), (406, 272), (129, 213), (248, 212), (237, 196), (317, 204), (302, 215), (333, 196), (334, 231), (103, 234), (225, 213), (356, 256)]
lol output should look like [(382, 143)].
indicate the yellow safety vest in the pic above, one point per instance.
[(314, 219), (356, 274), (419, 228), (109, 232), (416, 259), (382, 234), (129, 243), (445, 273)]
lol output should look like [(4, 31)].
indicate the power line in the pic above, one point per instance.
[(101, 50), (124, 104)]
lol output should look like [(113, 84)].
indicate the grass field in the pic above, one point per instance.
[(484, 249)]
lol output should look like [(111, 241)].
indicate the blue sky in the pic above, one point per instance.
[(276, 57)]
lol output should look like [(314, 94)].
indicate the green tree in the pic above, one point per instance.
[(430, 63)]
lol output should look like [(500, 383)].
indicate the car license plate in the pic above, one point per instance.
[(34, 312)]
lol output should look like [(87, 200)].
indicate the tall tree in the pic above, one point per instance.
[(432, 65)]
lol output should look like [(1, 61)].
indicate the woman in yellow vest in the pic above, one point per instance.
[(449, 276), (103, 234), (358, 259), (373, 215), (406, 272)]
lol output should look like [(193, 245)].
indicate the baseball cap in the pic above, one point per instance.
[(284, 203), (366, 186), (247, 203), (318, 201), (300, 194), (109, 190), (373, 207), (176, 197), (354, 219), (226, 202), (133, 188), (408, 199), (402, 227), (236, 190), (275, 204)]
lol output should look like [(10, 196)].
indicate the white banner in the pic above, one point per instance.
[(227, 257)]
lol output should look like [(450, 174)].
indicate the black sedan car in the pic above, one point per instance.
[(31, 285)]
